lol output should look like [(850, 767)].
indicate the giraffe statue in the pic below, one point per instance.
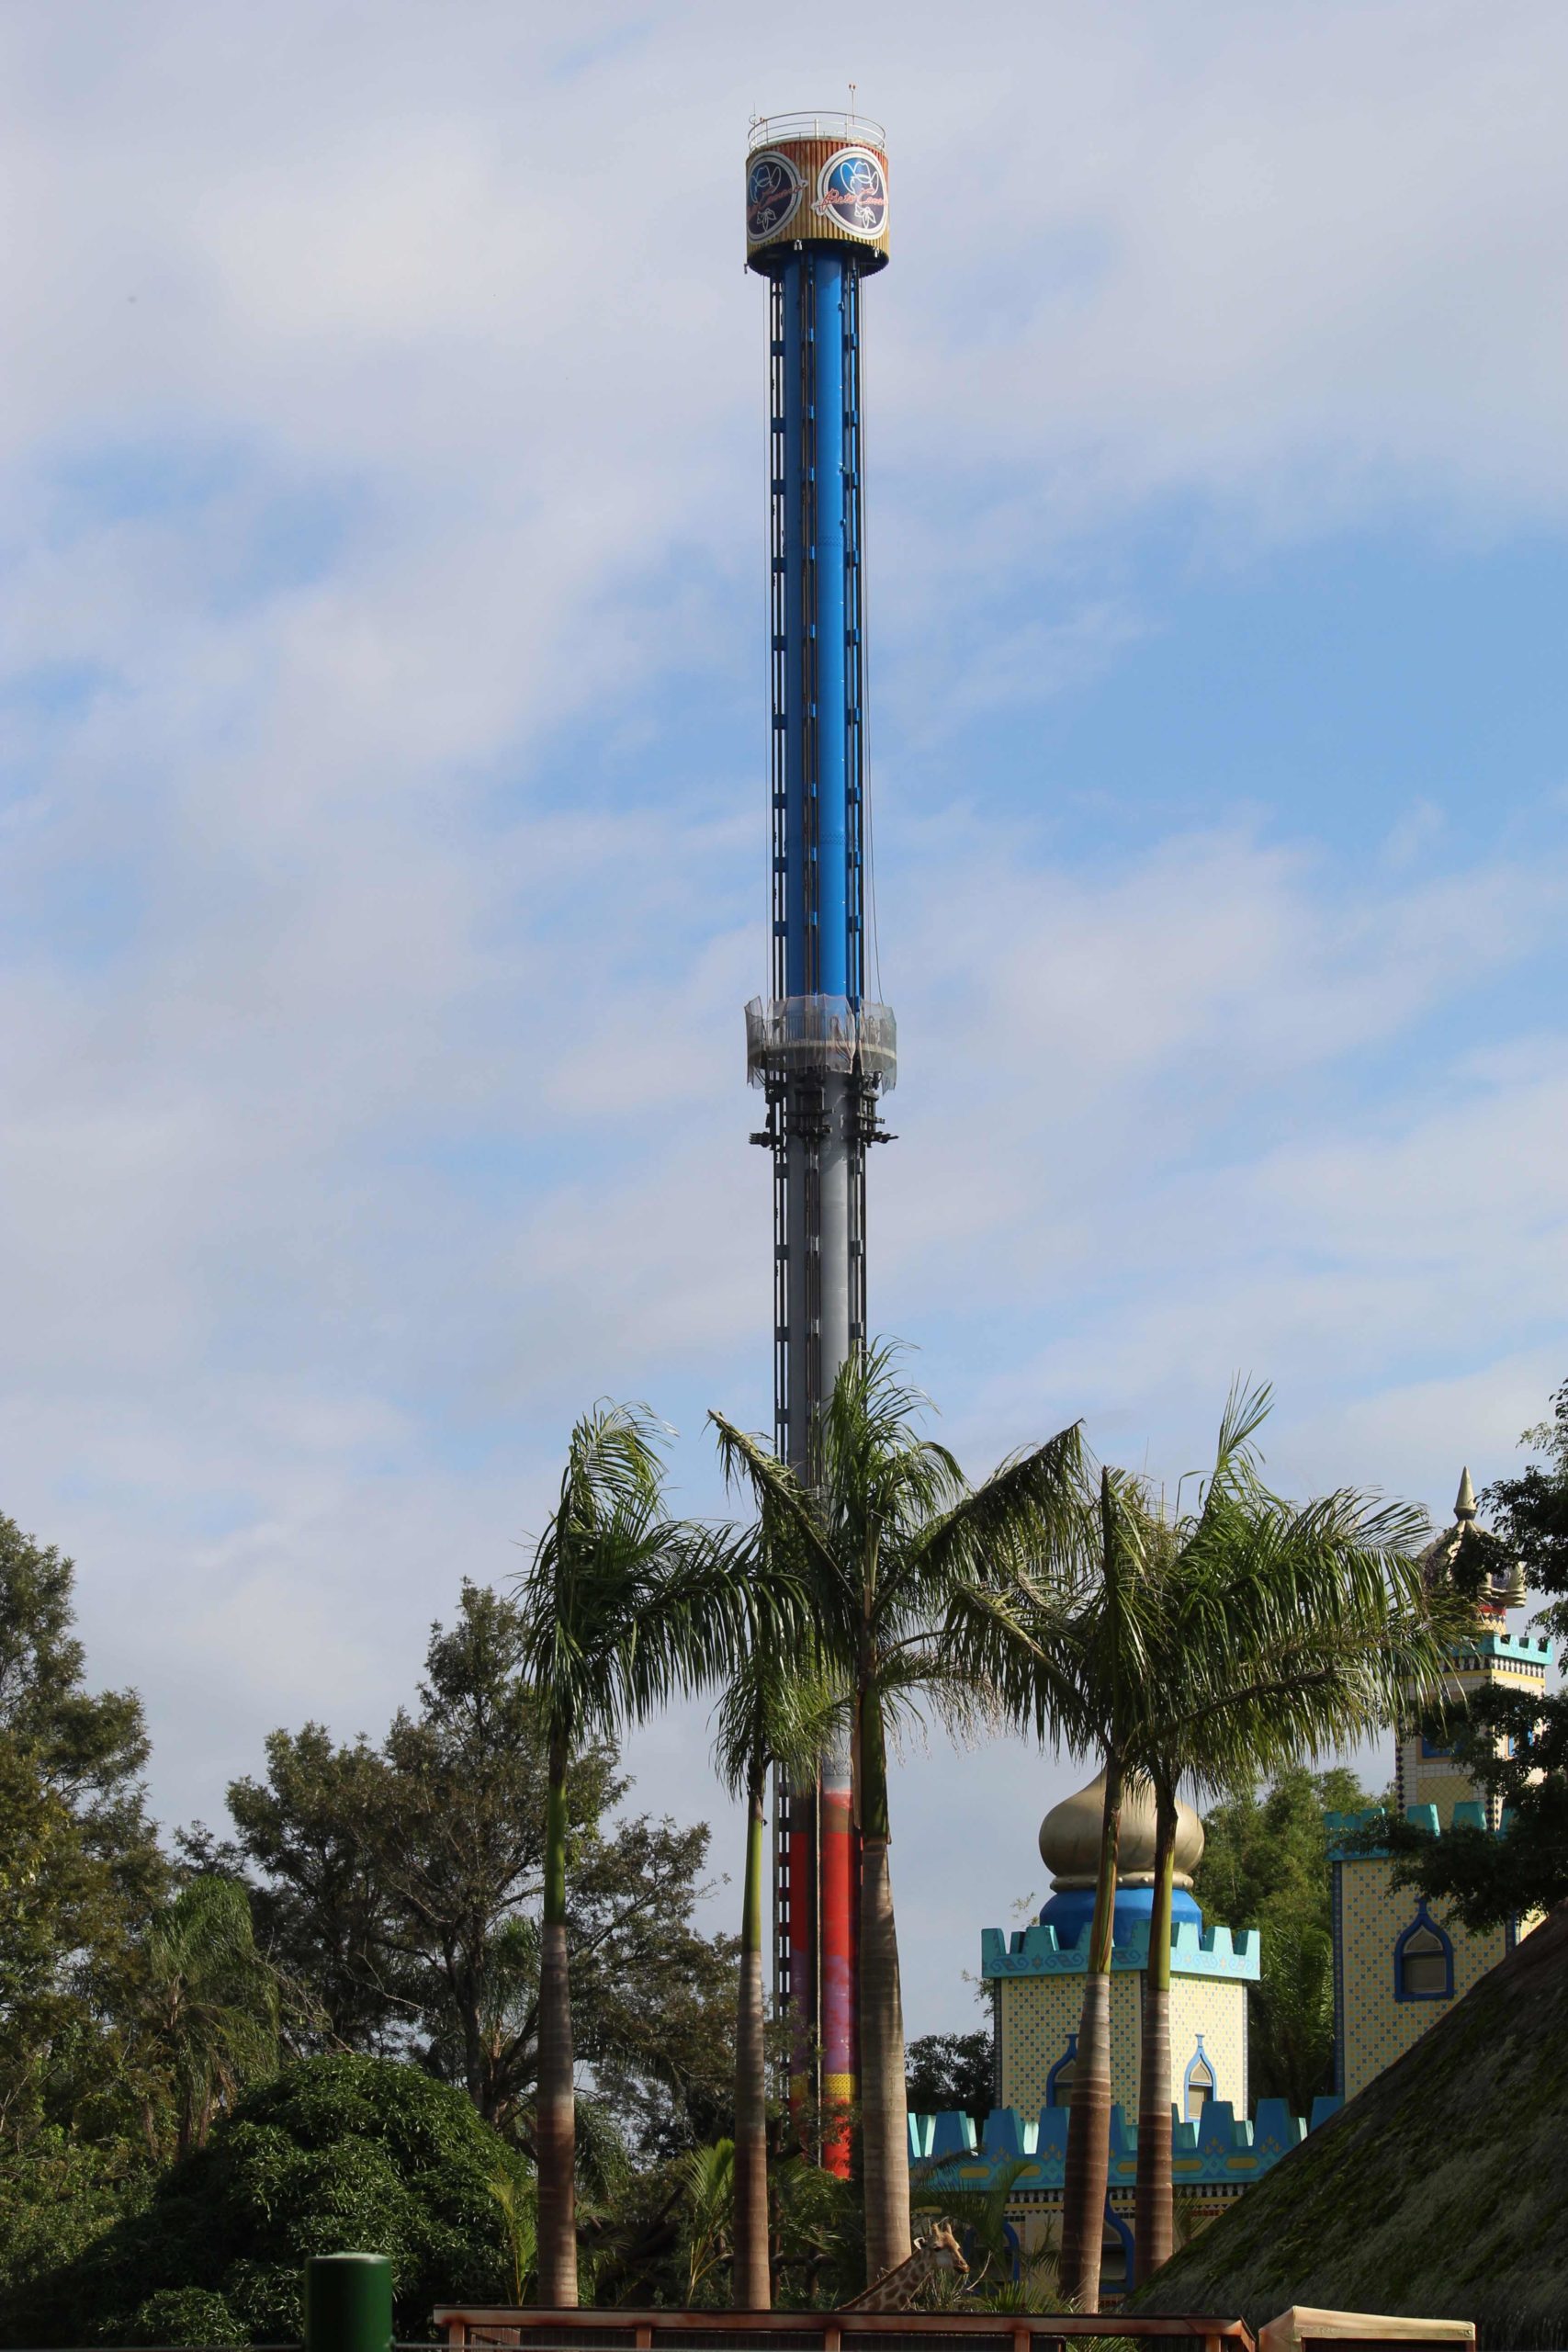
[(900, 2288)]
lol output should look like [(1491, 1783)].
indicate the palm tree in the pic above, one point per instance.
[(1210, 1647), (899, 1563), (613, 1628), (211, 2007), (1100, 1651), (709, 2212), (519, 2220), (1321, 1627), (773, 1713)]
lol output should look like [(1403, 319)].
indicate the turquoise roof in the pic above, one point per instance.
[(1468, 1814), (1514, 1646)]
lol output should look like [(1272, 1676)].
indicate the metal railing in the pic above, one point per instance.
[(466, 2327), (854, 130)]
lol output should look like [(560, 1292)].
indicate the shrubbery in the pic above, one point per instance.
[(343, 2153)]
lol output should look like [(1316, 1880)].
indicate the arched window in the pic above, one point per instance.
[(1115, 2255), (1059, 2081), (1423, 1963), (1198, 2084)]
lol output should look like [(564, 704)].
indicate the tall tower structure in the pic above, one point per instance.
[(821, 1049)]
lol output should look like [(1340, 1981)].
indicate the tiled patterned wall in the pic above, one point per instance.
[(1038, 2013), (1371, 1914), (1218, 2012)]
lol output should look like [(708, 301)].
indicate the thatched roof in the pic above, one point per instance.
[(1442, 2190)]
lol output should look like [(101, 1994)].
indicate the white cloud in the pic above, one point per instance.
[(379, 579)]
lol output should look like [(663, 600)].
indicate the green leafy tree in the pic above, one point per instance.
[(708, 2217), (952, 2072), (339, 2150), (1528, 1515), (819, 2257), (520, 2219), (400, 1887), (305, 1847), (979, 2218), (1514, 1746), (80, 1869), (900, 1563)]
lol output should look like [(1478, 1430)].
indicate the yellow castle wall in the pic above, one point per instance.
[(1207, 2006), (1036, 2015), (1376, 2027)]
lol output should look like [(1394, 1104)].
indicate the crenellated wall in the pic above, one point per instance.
[(1039, 1995), (1213, 2159), (1196, 1952)]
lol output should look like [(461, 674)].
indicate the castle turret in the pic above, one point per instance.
[(1425, 1773), (1038, 1975), (1399, 1964)]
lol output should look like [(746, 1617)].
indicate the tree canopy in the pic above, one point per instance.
[(81, 1873), (341, 2151), (400, 1886)]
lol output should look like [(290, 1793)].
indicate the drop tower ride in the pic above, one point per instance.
[(824, 1053)]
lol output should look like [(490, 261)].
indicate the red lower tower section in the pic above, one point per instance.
[(817, 1955)]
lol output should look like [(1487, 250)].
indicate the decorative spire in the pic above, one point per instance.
[(1464, 1501)]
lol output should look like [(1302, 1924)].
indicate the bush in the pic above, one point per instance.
[(185, 2316), (339, 2154)]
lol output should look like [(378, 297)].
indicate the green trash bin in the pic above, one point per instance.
[(348, 2304)]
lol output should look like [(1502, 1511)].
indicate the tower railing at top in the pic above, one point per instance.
[(854, 130)]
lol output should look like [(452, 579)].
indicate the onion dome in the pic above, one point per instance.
[(1501, 1589), (1069, 1847)]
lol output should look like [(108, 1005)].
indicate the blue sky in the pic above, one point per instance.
[(381, 818)]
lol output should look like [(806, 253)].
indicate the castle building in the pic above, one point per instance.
[(1038, 1974), (1399, 1965), (1037, 1979)]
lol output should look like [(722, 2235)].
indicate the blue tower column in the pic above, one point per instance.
[(831, 373)]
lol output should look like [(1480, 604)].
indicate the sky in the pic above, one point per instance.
[(383, 830)]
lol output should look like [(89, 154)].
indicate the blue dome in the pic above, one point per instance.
[(1071, 1911)]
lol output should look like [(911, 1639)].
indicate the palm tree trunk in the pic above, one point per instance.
[(751, 2289), (1089, 2122), (884, 2117), (1156, 2214), (557, 2100)]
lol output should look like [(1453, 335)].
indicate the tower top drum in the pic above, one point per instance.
[(815, 180)]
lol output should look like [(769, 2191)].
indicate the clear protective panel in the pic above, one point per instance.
[(804, 1036)]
